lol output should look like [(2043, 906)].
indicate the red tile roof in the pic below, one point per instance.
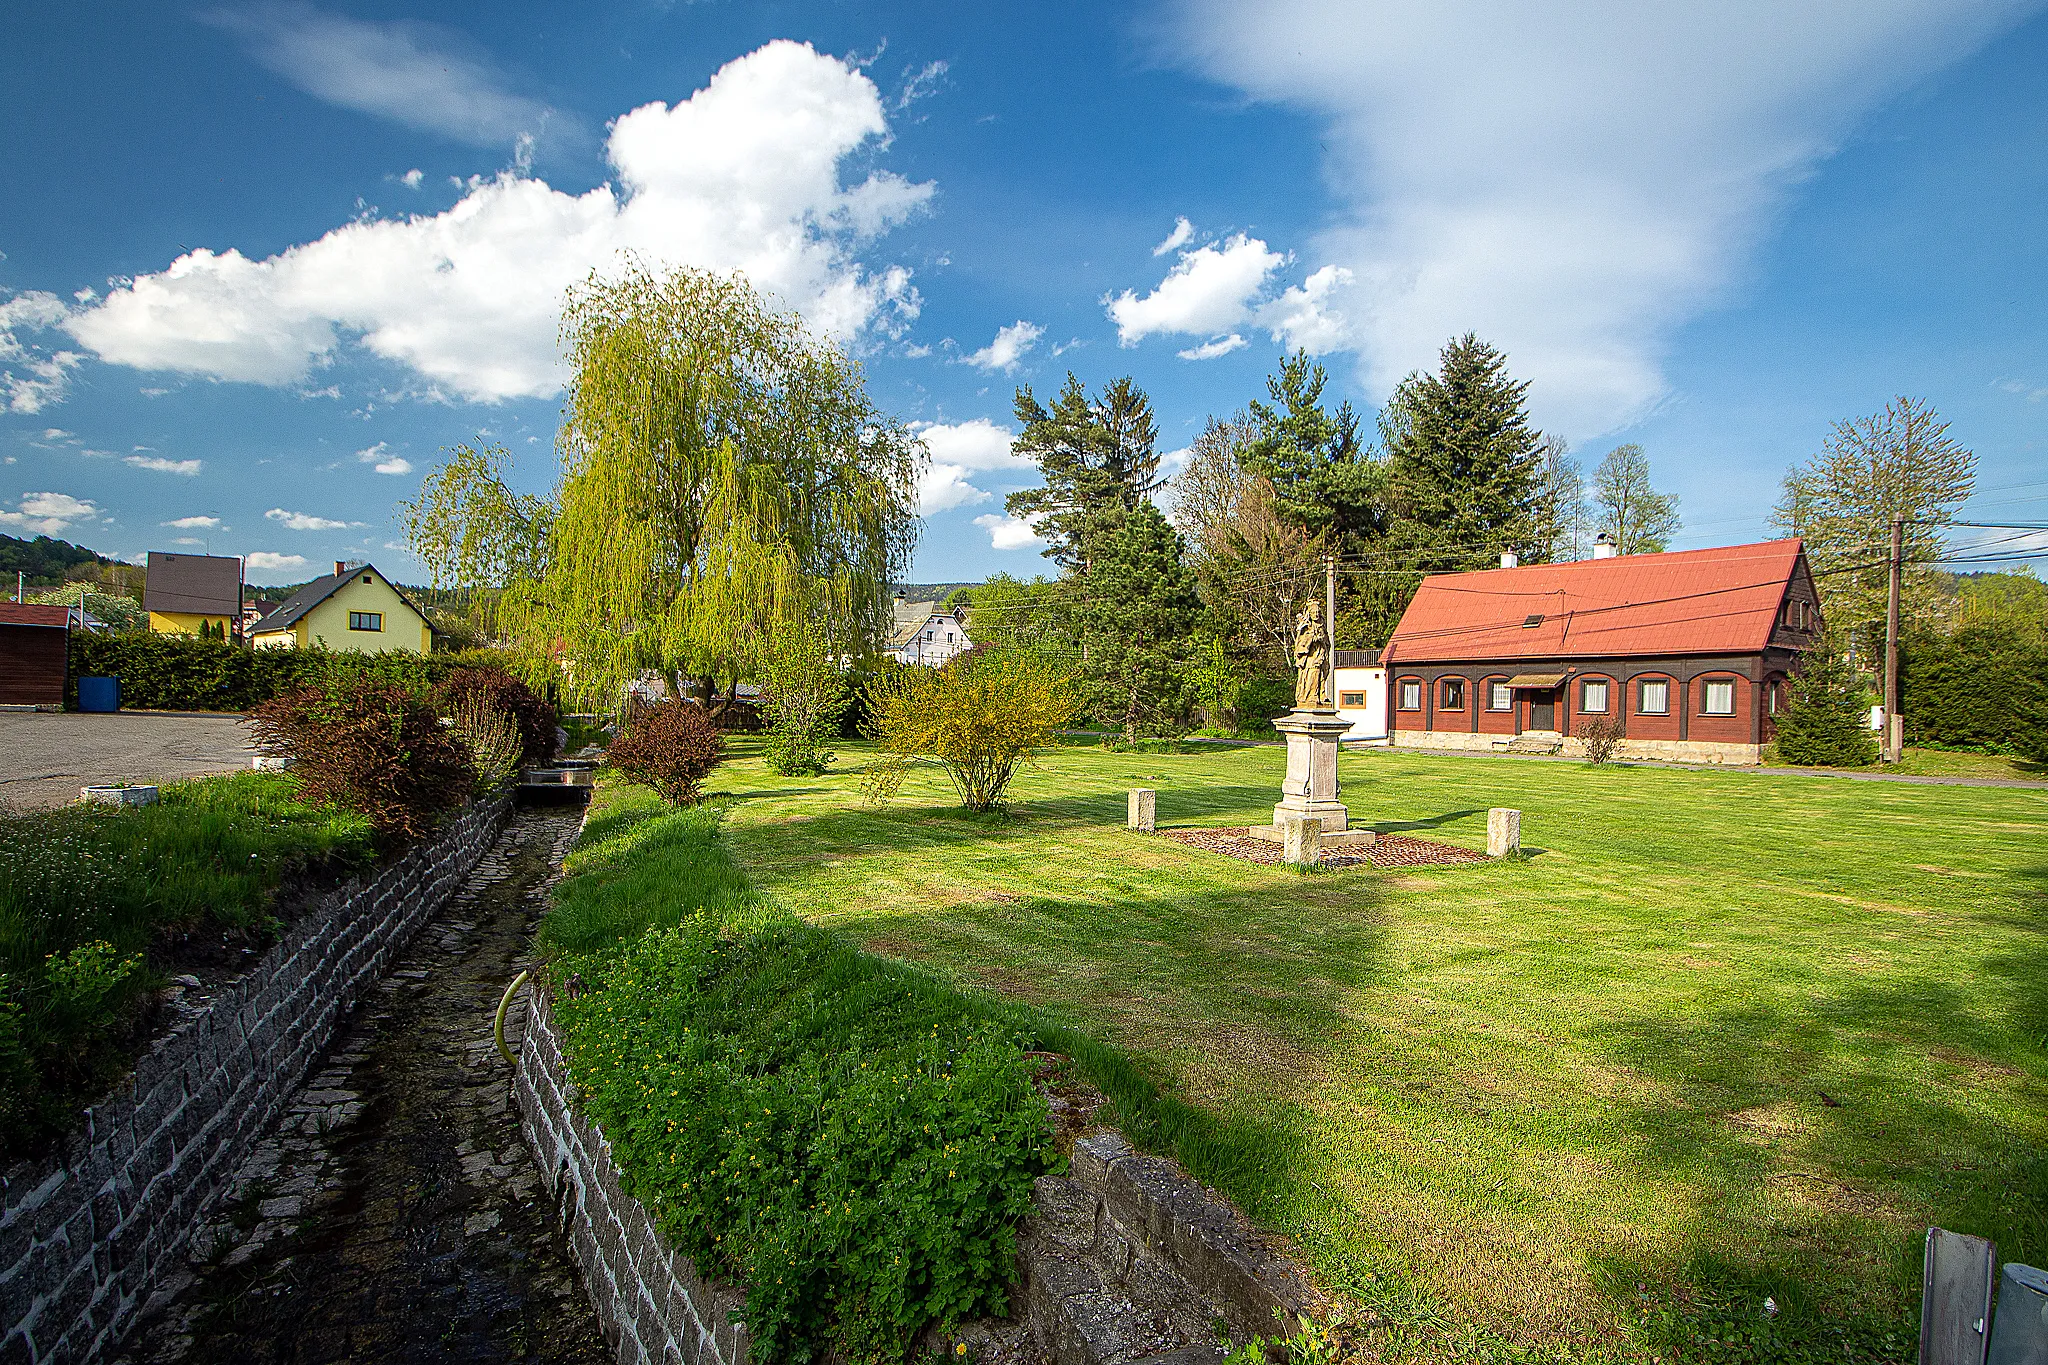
[(33, 614), (1719, 601)]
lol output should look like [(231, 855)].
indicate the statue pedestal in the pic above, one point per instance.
[(1310, 787)]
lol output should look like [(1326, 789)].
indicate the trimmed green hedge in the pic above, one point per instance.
[(1980, 688), (183, 673)]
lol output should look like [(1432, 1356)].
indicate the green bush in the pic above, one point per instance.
[(1822, 724), (87, 890), (184, 673), (1259, 702), (851, 1141), (1984, 687)]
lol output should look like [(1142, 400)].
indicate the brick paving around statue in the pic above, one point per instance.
[(1389, 850)]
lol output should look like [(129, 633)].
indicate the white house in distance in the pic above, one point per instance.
[(1362, 695), (923, 634)]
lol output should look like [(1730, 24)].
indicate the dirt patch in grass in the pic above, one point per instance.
[(1389, 850)]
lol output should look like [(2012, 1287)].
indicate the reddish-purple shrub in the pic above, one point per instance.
[(496, 690), (373, 748), (671, 747)]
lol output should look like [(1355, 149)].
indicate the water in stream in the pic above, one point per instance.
[(394, 1214)]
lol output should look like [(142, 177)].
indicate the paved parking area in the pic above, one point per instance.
[(45, 757)]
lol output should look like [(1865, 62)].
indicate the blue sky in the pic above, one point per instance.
[(262, 262)]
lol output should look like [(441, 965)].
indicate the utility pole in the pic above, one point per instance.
[(1330, 623), (1894, 725)]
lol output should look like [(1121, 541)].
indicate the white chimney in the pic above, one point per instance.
[(1510, 560), (1603, 548)]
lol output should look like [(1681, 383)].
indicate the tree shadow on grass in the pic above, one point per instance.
[(1216, 990), (1430, 822), (1821, 1138)]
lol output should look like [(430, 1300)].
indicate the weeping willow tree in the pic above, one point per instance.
[(476, 536), (724, 474)]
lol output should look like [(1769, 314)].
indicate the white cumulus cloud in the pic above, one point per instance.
[(1210, 289), (305, 521), (1007, 532), (959, 451), (1008, 348), (1573, 182), (272, 566), (380, 456), (160, 465), (745, 174), (412, 178), (48, 514), (195, 523)]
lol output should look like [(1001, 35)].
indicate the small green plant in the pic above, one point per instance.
[(803, 694), (491, 739), (1311, 1343)]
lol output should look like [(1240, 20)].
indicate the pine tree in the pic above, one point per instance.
[(1138, 618), (1464, 464), (1822, 725), (1097, 456), (1323, 480)]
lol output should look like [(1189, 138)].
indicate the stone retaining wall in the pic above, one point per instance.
[(85, 1234), (1649, 750), (648, 1296)]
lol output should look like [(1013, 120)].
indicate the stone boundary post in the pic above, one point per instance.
[(1503, 832), (1144, 808), (87, 1236), (1302, 840)]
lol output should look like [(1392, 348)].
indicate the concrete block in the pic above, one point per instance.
[(1503, 832), (1144, 803), (1302, 840)]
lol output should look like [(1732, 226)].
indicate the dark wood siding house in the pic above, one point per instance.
[(33, 642), (1687, 653)]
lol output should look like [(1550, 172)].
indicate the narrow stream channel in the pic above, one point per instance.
[(394, 1214)]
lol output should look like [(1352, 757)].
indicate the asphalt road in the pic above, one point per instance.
[(45, 757)]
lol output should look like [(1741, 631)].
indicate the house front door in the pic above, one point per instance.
[(1543, 710)]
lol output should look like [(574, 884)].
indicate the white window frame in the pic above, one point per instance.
[(1500, 697), (1586, 687), (1642, 706), (1707, 697), (1410, 687)]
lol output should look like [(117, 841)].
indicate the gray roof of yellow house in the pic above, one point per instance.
[(318, 591)]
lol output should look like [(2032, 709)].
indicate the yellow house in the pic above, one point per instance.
[(193, 594), (353, 608)]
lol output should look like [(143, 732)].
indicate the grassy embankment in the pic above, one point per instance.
[(1724, 1036), (95, 901)]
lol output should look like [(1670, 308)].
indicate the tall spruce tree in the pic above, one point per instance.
[(1097, 456), (1822, 724), (1464, 465), (1138, 619)]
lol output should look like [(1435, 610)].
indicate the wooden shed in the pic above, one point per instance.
[(33, 639)]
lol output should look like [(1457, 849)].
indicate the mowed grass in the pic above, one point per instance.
[(1722, 1035)]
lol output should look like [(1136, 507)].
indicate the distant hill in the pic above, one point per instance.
[(44, 561), (929, 592)]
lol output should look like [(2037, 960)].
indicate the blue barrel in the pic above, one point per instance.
[(99, 694)]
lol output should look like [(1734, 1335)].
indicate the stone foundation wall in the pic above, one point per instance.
[(84, 1235), (1651, 750), (648, 1296)]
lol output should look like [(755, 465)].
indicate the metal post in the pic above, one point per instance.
[(1330, 623), (1892, 730)]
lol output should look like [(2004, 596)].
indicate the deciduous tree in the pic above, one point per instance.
[(1900, 462), (1632, 513)]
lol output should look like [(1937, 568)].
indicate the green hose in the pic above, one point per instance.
[(498, 1028)]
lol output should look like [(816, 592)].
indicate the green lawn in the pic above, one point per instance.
[(1722, 1036)]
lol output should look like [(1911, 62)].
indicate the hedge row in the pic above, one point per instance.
[(1980, 688), (183, 673)]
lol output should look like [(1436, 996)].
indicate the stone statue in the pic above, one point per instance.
[(1311, 661)]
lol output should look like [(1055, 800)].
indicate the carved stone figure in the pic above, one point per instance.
[(1311, 661)]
